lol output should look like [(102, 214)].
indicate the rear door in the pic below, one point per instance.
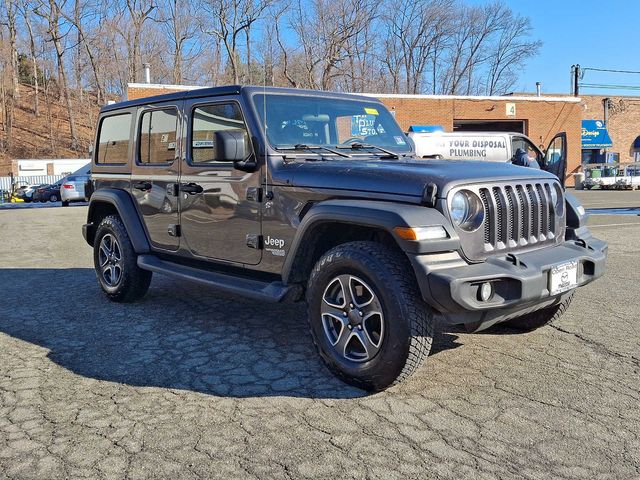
[(555, 158), (154, 173)]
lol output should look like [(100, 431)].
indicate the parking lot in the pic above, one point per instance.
[(190, 383)]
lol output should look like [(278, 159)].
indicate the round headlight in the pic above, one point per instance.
[(467, 210), (459, 208)]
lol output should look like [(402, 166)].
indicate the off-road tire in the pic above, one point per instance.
[(540, 318), (134, 281), (408, 320)]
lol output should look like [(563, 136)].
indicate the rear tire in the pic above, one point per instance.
[(375, 331), (115, 262), (534, 320), (53, 198), (65, 203)]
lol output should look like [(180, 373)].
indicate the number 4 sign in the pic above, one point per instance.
[(511, 109)]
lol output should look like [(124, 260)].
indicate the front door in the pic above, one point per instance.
[(555, 158), (219, 203), (154, 174)]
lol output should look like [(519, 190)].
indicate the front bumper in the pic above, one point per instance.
[(520, 280)]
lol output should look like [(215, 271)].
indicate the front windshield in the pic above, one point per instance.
[(294, 120)]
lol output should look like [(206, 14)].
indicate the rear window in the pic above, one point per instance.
[(113, 140)]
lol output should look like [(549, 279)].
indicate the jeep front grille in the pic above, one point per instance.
[(517, 216)]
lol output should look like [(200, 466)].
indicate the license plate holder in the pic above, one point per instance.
[(563, 277)]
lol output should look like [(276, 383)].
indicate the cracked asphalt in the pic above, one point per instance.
[(190, 383)]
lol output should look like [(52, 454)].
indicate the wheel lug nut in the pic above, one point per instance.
[(350, 327), (344, 314), (351, 305), (359, 327), (360, 313)]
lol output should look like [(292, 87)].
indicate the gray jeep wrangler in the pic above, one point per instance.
[(287, 195)]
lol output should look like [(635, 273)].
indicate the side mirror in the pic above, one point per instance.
[(231, 146)]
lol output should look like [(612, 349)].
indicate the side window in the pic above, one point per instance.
[(527, 147), (206, 121), (113, 139), (157, 137)]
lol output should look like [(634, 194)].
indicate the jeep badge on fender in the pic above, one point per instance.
[(287, 195)]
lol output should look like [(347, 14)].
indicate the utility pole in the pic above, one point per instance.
[(576, 80)]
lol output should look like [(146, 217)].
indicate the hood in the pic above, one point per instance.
[(404, 177)]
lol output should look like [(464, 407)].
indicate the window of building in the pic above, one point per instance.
[(113, 140), (157, 144), (209, 119)]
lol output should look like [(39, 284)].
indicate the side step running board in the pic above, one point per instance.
[(272, 292)]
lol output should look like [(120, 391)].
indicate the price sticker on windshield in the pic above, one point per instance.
[(371, 111)]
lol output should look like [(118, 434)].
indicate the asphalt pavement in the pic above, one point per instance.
[(190, 383)]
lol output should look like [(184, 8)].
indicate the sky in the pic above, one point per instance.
[(597, 34)]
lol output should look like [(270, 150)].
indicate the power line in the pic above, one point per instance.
[(608, 70), (610, 87)]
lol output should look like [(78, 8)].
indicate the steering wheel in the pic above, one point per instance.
[(352, 140)]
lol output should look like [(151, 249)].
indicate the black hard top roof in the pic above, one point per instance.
[(230, 90)]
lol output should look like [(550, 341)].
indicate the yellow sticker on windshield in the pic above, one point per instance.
[(371, 111)]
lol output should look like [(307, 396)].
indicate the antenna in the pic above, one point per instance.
[(264, 131)]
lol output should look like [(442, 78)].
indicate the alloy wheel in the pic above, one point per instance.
[(352, 318), (110, 260)]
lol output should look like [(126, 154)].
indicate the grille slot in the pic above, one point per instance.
[(517, 215)]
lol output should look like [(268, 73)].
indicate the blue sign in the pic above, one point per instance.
[(595, 135), (426, 128)]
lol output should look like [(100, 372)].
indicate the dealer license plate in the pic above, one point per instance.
[(563, 277)]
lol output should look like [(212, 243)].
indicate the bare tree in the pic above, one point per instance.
[(510, 51), (10, 21), (231, 18), (51, 13), (181, 29), (26, 14), (325, 29), (416, 30)]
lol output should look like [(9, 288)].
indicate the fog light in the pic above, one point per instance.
[(485, 292)]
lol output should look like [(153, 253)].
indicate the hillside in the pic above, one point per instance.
[(48, 135)]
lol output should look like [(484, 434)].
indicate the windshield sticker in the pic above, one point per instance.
[(370, 111), (399, 140)]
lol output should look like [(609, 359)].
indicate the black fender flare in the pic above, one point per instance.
[(375, 214), (124, 205)]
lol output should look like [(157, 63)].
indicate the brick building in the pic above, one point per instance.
[(540, 118), (622, 124)]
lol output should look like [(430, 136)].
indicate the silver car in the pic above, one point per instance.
[(73, 189)]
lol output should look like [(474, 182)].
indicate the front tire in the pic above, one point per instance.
[(534, 320), (53, 198), (367, 318), (65, 203), (115, 262)]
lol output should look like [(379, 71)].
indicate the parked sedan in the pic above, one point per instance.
[(73, 189), (47, 193)]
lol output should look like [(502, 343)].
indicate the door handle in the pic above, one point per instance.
[(191, 188), (142, 186)]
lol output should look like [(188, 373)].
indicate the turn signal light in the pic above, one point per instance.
[(416, 234)]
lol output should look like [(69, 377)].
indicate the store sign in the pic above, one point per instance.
[(595, 135)]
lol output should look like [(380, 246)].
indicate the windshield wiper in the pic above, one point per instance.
[(310, 148), (360, 146)]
